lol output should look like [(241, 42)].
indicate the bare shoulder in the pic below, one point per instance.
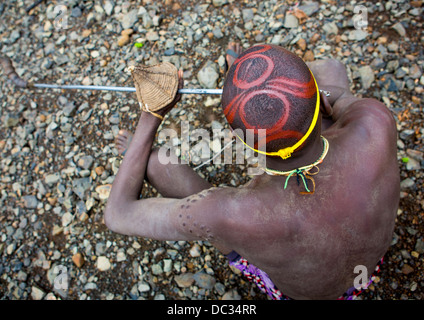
[(369, 120), (368, 113)]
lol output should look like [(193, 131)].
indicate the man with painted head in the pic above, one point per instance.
[(322, 213)]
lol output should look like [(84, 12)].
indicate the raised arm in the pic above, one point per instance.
[(188, 214)]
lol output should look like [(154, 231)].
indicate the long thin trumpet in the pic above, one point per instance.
[(10, 72)]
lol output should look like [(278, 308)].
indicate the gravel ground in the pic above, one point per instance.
[(57, 147)]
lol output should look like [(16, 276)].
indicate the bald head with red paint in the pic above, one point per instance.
[(269, 87)]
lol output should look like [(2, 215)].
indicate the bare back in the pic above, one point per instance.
[(310, 244)]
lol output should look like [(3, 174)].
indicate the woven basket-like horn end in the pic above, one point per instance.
[(156, 86)]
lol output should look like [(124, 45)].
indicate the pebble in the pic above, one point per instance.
[(309, 56), (309, 8), (67, 219), (400, 29), (367, 76), (407, 183), (302, 44), (108, 7), (31, 202), (407, 269), (231, 295), (413, 164), (184, 280), (419, 246), (358, 35), (103, 263), (143, 287), (204, 280), (157, 269), (78, 259), (219, 3), (195, 251), (208, 75), (152, 36), (290, 22), (330, 28), (123, 40), (104, 191), (37, 293), (129, 19)]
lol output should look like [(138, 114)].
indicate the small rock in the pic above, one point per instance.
[(367, 76), (123, 40), (85, 162), (80, 186), (87, 81), (78, 259), (219, 3), (11, 248), (195, 251), (169, 52), (315, 37), (208, 75), (400, 29), (290, 22), (413, 164), (309, 8), (407, 269), (247, 15), (407, 183), (100, 248), (11, 120), (104, 191), (167, 265), (400, 73), (330, 28), (157, 269), (415, 154), (37, 293), (103, 263), (129, 19), (358, 35), (407, 134), (217, 33), (415, 72), (220, 288), (419, 246), (309, 56), (231, 295), (67, 219), (204, 280), (120, 256), (14, 36), (302, 44), (143, 287), (30, 202), (69, 109), (76, 12), (108, 7), (184, 280), (99, 170), (152, 36), (90, 286)]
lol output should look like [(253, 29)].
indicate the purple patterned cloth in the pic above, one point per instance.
[(264, 283)]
